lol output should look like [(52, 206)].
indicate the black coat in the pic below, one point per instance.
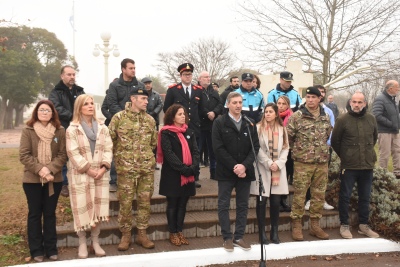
[(64, 101), (211, 102), (233, 147), (194, 106), (119, 93), (224, 96), (173, 167), (386, 113), (105, 110)]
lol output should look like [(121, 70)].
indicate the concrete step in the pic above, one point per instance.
[(198, 224)]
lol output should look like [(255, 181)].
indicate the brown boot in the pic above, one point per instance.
[(125, 241), (174, 239), (142, 239), (315, 229), (183, 239), (297, 231)]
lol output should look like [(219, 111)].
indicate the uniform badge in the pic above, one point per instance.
[(245, 134), (188, 136), (55, 140)]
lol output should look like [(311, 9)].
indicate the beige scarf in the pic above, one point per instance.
[(273, 137), (46, 135)]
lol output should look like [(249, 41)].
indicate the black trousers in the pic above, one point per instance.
[(176, 211), (42, 239)]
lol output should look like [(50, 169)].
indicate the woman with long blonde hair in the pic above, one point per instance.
[(89, 148), (274, 148)]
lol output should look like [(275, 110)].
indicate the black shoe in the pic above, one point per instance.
[(197, 184), (274, 235), (284, 207), (64, 191), (264, 238)]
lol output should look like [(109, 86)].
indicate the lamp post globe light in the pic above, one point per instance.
[(105, 36)]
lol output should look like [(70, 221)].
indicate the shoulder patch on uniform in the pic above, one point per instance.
[(172, 85), (195, 87)]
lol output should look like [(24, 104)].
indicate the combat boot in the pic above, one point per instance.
[(125, 241), (315, 229), (142, 239), (297, 231)]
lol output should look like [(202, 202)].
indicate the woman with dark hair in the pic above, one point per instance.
[(42, 152), (177, 151), (256, 82), (89, 149), (274, 148), (285, 112)]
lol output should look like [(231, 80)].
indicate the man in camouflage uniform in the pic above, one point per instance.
[(134, 136), (308, 131)]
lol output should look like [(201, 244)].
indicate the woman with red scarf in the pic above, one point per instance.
[(177, 151), (285, 112)]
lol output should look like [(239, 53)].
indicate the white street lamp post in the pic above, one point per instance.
[(105, 36)]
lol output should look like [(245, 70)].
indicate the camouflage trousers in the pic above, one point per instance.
[(141, 184), (315, 177)]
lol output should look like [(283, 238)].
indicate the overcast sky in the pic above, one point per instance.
[(140, 28)]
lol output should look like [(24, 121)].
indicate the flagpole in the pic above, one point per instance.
[(73, 29)]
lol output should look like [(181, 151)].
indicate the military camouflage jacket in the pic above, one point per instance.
[(308, 136), (134, 137)]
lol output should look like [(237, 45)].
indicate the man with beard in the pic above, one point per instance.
[(234, 80), (353, 139), (63, 97), (284, 87)]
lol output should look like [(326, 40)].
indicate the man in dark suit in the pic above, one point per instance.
[(190, 97)]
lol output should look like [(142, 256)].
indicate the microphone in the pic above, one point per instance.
[(248, 120)]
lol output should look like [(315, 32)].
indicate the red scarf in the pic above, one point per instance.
[(286, 115), (186, 155)]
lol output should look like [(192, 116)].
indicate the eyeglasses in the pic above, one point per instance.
[(45, 110)]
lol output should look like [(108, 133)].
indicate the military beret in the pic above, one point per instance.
[(313, 91), (135, 90), (247, 76), (185, 67), (146, 80), (287, 76)]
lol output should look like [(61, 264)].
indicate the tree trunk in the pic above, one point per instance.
[(19, 114), (8, 122), (3, 107)]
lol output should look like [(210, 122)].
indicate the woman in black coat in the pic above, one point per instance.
[(177, 151)]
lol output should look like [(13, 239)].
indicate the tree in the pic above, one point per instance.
[(206, 55), (329, 36), (30, 60)]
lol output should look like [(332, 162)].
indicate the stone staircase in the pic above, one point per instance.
[(201, 218)]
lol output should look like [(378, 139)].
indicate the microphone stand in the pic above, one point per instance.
[(261, 225)]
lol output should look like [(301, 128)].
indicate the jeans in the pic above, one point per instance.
[(364, 183), (64, 174), (42, 238), (113, 173), (242, 189), (205, 138)]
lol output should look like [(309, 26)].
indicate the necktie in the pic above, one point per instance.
[(187, 92)]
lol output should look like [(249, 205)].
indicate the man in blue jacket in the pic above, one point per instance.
[(285, 87)]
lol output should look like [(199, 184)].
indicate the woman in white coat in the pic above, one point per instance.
[(89, 149), (272, 156)]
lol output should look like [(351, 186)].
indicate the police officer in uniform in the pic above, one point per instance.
[(134, 137), (190, 97)]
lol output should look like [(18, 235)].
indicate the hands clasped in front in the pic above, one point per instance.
[(46, 175), (240, 170), (96, 174)]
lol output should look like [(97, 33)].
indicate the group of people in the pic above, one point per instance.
[(254, 148)]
